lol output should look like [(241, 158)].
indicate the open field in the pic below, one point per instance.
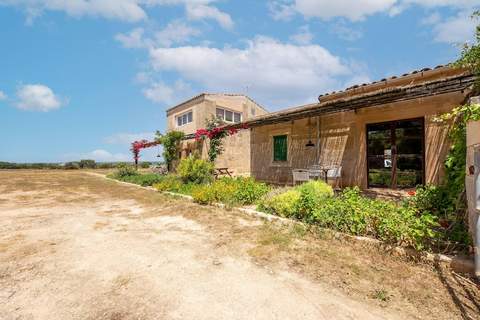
[(76, 246)]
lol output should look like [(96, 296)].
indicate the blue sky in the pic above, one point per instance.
[(82, 79)]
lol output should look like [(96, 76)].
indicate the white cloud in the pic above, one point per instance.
[(356, 10), (304, 36), (201, 12), (175, 32), (37, 97), (3, 96), (345, 32), (160, 92), (444, 3), (457, 29), (126, 10), (431, 19), (99, 155), (128, 138), (277, 72), (281, 11), (133, 39)]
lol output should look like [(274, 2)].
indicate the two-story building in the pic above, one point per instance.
[(191, 115)]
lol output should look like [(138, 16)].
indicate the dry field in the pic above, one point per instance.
[(76, 246)]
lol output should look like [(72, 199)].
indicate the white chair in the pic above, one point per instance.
[(335, 174), (300, 175), (315, 171)]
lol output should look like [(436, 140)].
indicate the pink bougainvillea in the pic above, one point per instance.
[(137, 146), (216, 132)]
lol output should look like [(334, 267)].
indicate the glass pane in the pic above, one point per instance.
[(190, 117), (409, 142), (220, 113), (238, 117), (179, 121), (409, 136), (379, 172), (228, 116), (380, 155)]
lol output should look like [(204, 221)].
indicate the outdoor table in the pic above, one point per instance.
[(325, 170), (222, 172)]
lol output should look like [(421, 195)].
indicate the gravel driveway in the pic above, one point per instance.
[(75, 246)]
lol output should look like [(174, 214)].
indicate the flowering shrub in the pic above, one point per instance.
[(124, 170), (298, 202), (137, 146), (230, 191), (194, 170), (353, 213), (215, 131)]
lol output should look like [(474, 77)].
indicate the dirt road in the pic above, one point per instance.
[(75, 246)]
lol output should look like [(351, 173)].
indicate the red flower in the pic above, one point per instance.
[(444, 223)]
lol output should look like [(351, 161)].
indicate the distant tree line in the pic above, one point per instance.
[(72, 165)]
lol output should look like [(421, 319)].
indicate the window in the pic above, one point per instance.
[(237, 117), (185, 118), (220, 113), (228, 116), (395, 153), (280, 148)]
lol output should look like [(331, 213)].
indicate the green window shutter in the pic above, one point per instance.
[(280, 148)]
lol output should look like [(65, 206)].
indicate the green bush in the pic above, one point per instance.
[(230, 191), (312, 195), (284, 204), (353, 213), (87, 164), (299, 202), (194, 170), (125, 170), (438, 200), (145, 164), (247, 190), (72, 165), (144, 180), (169, 183)]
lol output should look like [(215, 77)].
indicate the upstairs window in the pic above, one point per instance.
[(185, 118), (228, 116), (280, 148)]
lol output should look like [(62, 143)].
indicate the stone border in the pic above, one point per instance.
[(456, 263)]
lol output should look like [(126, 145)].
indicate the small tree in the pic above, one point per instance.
[(87, 164), (470, 55), (171, 145)]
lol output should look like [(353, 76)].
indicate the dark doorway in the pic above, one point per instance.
[(395, 154)]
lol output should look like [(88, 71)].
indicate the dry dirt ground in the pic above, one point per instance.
[(76, 246)]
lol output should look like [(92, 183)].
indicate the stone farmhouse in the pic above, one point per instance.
[(382, 134)]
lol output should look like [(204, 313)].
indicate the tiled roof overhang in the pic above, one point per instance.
[(459, 83)]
